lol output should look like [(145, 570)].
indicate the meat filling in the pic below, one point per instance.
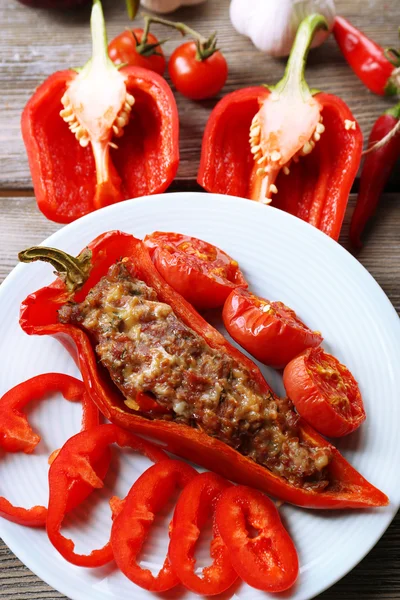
[(147, 348)]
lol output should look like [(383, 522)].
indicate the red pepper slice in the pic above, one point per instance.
[(377, 168), (202, 273), (324, 393), (285, 131), (148, 495), (72, 178), (270, 331), (16, 435), (195, 503), (75, 462), (267, 561), (368, 60), (39, 316)]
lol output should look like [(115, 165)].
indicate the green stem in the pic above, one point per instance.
[(394, 111), (99, 38), (205, 46), (132, 6), (293, 79), (74, 271), (181, 27)]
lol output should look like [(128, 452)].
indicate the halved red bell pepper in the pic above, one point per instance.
[(196, 502), (16, 435), (78, 171), (39, 316), (255, 134), (266, 560), (76, 462), (148, 495)]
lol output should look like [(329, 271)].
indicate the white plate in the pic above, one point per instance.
[(283, 259)]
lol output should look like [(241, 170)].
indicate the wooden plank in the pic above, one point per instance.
[(378, 575), (35, 43)]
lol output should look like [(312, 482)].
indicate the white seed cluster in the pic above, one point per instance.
[(268, 161), (81, 134)]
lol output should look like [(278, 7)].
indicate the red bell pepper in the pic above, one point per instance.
[(285, 127), (16, 435), (148, 495), (76, 173), (268, 560), (196, 502), (75, 462), (39, 316), (378, 69), (378, 166)]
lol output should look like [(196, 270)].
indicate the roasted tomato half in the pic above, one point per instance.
[(202, 273), (270, 331), (324, 393)]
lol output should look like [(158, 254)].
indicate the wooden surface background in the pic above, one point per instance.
[(35, 43)]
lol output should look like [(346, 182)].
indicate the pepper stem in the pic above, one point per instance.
[(205, 46), (99, 37), (293, 81), (74, 271)]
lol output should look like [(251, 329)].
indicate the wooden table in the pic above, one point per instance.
[(34, 44)]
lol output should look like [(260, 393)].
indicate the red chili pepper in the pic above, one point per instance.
[(196, 502), (285, 127), (76, 173), (377, 68), (148, 495), (268, 560), (39, 316), (16, 435), (75, 462), (377, 168)]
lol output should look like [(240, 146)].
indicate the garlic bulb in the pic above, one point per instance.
[(166, 6), (272, 24)]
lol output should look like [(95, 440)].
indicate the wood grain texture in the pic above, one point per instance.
[(35, 43), (377, 577)]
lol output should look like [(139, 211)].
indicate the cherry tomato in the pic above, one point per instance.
[(197, 79), (202, 273), (122, 50), (324, 393), (270, 331)]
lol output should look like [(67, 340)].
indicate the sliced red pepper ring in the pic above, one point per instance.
[(148, 495), (196, 502), (16, 435), (268, 560), (75, 462)]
